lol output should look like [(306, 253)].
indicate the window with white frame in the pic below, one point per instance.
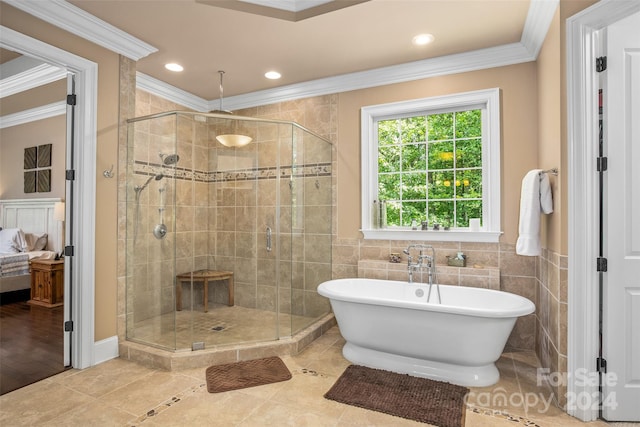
[(433, 160)]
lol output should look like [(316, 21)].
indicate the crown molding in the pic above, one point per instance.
[(38, 76), (510, 54), (71, 18), (171, 93), (33, 114), (289, 10), (75, 20), (536, 27), (288, 5), (18, 65), (537, 24)]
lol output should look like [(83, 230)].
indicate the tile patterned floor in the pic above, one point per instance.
[(121, 393)]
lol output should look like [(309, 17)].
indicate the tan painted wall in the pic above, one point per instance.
[(549, 132), (36, 97), (519, 134), (107, 125), (13, 141)]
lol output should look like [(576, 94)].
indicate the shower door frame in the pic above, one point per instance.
[(260, 173)]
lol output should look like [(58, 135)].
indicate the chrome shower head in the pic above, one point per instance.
[(169, 159)]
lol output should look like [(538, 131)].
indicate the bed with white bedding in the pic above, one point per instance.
[(27, 231), (14, 264)]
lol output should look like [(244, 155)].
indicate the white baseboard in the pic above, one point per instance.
[(105, 349)]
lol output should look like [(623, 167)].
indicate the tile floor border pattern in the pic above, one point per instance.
[(175, 400), (122, 393), (169, 403), (502, 415)]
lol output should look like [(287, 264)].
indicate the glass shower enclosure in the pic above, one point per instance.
[(225, 245)]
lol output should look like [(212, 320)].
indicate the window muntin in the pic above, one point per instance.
[(430, 168), (436, 159)]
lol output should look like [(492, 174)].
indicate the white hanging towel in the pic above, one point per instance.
[(535, 197)]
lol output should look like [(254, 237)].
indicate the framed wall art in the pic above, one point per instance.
[(43, 180), (44, 156), (30, 182), (30, 157)]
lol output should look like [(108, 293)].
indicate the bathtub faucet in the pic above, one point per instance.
[(427, 261), (411, 266)]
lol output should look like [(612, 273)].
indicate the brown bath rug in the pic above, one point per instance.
[(249, 373), (418, 399)]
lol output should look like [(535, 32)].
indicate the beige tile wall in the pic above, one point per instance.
[(551, 336), (150, 260), (220, 224), (127, 110), (310, 251), (489, 265), (246, 208)]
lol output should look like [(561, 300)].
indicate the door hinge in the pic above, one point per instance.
[(68, 251), (601, 365), (68, 326), (71, 99), (602, 164), (601, 264), (70, 175), (601, 64)]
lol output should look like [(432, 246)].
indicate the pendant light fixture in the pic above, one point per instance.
[(230, 140)]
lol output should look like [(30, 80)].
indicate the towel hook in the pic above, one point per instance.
[(108, 173), (552, 171)]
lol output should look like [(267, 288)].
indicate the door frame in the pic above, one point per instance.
[(582, 151), (82, 281)]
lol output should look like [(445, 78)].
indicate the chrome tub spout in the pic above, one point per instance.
[(424, 261)]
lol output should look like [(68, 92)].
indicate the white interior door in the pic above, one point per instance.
[(621, 309)]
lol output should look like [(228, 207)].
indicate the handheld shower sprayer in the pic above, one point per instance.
[(139, 188), (168, 160)]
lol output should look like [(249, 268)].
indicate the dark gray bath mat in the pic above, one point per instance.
[(249, 373), (419, 399)]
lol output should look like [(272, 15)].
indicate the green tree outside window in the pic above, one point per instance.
[(430, 168)]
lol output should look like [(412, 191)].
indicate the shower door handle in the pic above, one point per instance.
[(268, 239)]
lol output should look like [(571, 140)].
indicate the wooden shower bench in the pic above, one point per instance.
[(203, 276)]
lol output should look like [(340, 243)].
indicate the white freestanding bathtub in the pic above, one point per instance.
[(389, 325)]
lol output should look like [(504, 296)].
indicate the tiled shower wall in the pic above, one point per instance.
[(280, 182), (224, 199), (127, 98)]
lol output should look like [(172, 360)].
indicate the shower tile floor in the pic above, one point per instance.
[(221, 325), (123, 393)]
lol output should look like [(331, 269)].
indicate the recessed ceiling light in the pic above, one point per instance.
[(422, 39), (272, 75), (173, 67)]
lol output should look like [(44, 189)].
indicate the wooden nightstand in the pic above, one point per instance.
[(47, 283)]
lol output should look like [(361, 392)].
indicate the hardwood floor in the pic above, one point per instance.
[(31, 344)]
